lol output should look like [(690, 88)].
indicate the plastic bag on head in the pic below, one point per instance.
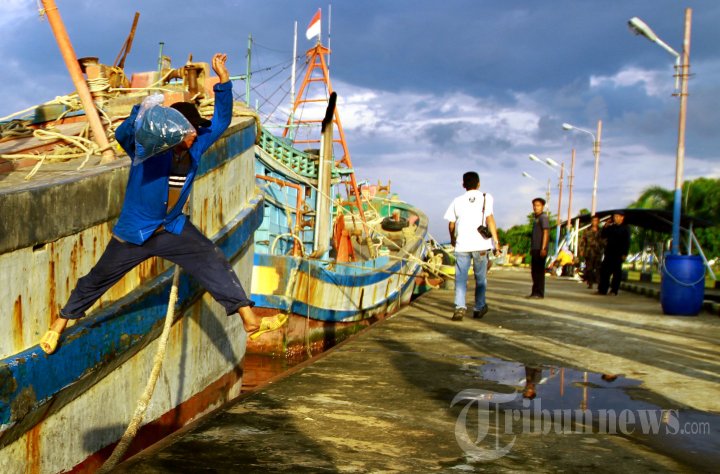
[(158, 128)]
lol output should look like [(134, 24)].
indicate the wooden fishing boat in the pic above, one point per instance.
[(65, 411), (333, 254)]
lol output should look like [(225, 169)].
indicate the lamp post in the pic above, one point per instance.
[(682, 64), (555, 164), (571, 177), (596, 153), (552, 164)]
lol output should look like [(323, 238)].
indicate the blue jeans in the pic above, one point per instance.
[(462, 265)]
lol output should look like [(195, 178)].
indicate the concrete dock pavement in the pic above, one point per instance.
[(619, 388)]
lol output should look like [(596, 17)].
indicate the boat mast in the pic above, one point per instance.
[(317, 63), (323, 204)]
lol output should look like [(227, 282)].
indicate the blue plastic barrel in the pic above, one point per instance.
[(683, 285)]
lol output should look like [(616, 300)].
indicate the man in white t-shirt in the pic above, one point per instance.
[(465, 214)]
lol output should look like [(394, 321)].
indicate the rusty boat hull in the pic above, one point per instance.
[(65, 411), (326, 300)]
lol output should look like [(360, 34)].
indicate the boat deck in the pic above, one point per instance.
[(383, 400), (14, 172)]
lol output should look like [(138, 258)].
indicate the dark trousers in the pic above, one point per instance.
[(592, 269), (195, 253), (611, 267), (537, 270)]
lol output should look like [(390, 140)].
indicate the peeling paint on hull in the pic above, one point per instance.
[(328, 303), (58, 411)]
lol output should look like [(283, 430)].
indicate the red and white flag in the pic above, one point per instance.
[(313, 28)]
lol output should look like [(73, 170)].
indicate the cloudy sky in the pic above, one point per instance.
[(429, 89)]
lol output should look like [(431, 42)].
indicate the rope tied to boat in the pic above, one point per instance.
[(144, 400), (86, 146), (14, 129)]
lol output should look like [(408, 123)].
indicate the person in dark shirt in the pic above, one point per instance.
[(617, 245), (538, 248)]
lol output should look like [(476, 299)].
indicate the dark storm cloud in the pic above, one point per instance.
[(443, 134), (436, 85), (490, 145)]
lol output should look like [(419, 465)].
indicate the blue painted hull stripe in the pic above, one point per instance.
[(323, 314), (104, 336), (236, 143), (345, 276)]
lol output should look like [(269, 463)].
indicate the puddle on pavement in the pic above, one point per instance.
[(617, 405)]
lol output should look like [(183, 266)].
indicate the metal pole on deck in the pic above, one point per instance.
[(71, 62), (292, 85), (322, 201), (160, 59)]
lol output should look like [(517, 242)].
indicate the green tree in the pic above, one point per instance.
[(701, 199), (518, 237)]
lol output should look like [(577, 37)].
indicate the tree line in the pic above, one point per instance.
[(701, 199)]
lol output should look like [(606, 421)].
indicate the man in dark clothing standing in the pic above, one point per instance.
[(538, 248), (617, 245), (591, 249)]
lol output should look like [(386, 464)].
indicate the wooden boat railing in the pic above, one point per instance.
[(303, 163)]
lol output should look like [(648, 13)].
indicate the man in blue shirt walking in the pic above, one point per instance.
[(152, 222)]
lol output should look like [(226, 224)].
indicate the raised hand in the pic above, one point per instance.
[(218, 65)]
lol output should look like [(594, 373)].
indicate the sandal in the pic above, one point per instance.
[(269, 324), (49, 342)]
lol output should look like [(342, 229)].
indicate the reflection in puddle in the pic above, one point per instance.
[(563, 400), (560, 387)]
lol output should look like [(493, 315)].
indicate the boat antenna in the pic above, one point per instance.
[(329, 24), (249, 73), (160, 59), (292, 83), (127, 45)]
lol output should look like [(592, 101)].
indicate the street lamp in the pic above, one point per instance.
[(682, 64), (553, 165), (596, 153), (547, 193), (542, 162)]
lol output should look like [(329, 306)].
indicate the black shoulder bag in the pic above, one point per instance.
[(483, 230)]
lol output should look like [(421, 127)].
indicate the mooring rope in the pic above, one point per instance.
[(144, 400)]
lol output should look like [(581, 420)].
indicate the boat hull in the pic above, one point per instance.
[(324, 306), (328, 301), (66, 410)]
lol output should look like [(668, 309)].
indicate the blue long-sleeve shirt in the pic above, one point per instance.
[(146, 195)]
